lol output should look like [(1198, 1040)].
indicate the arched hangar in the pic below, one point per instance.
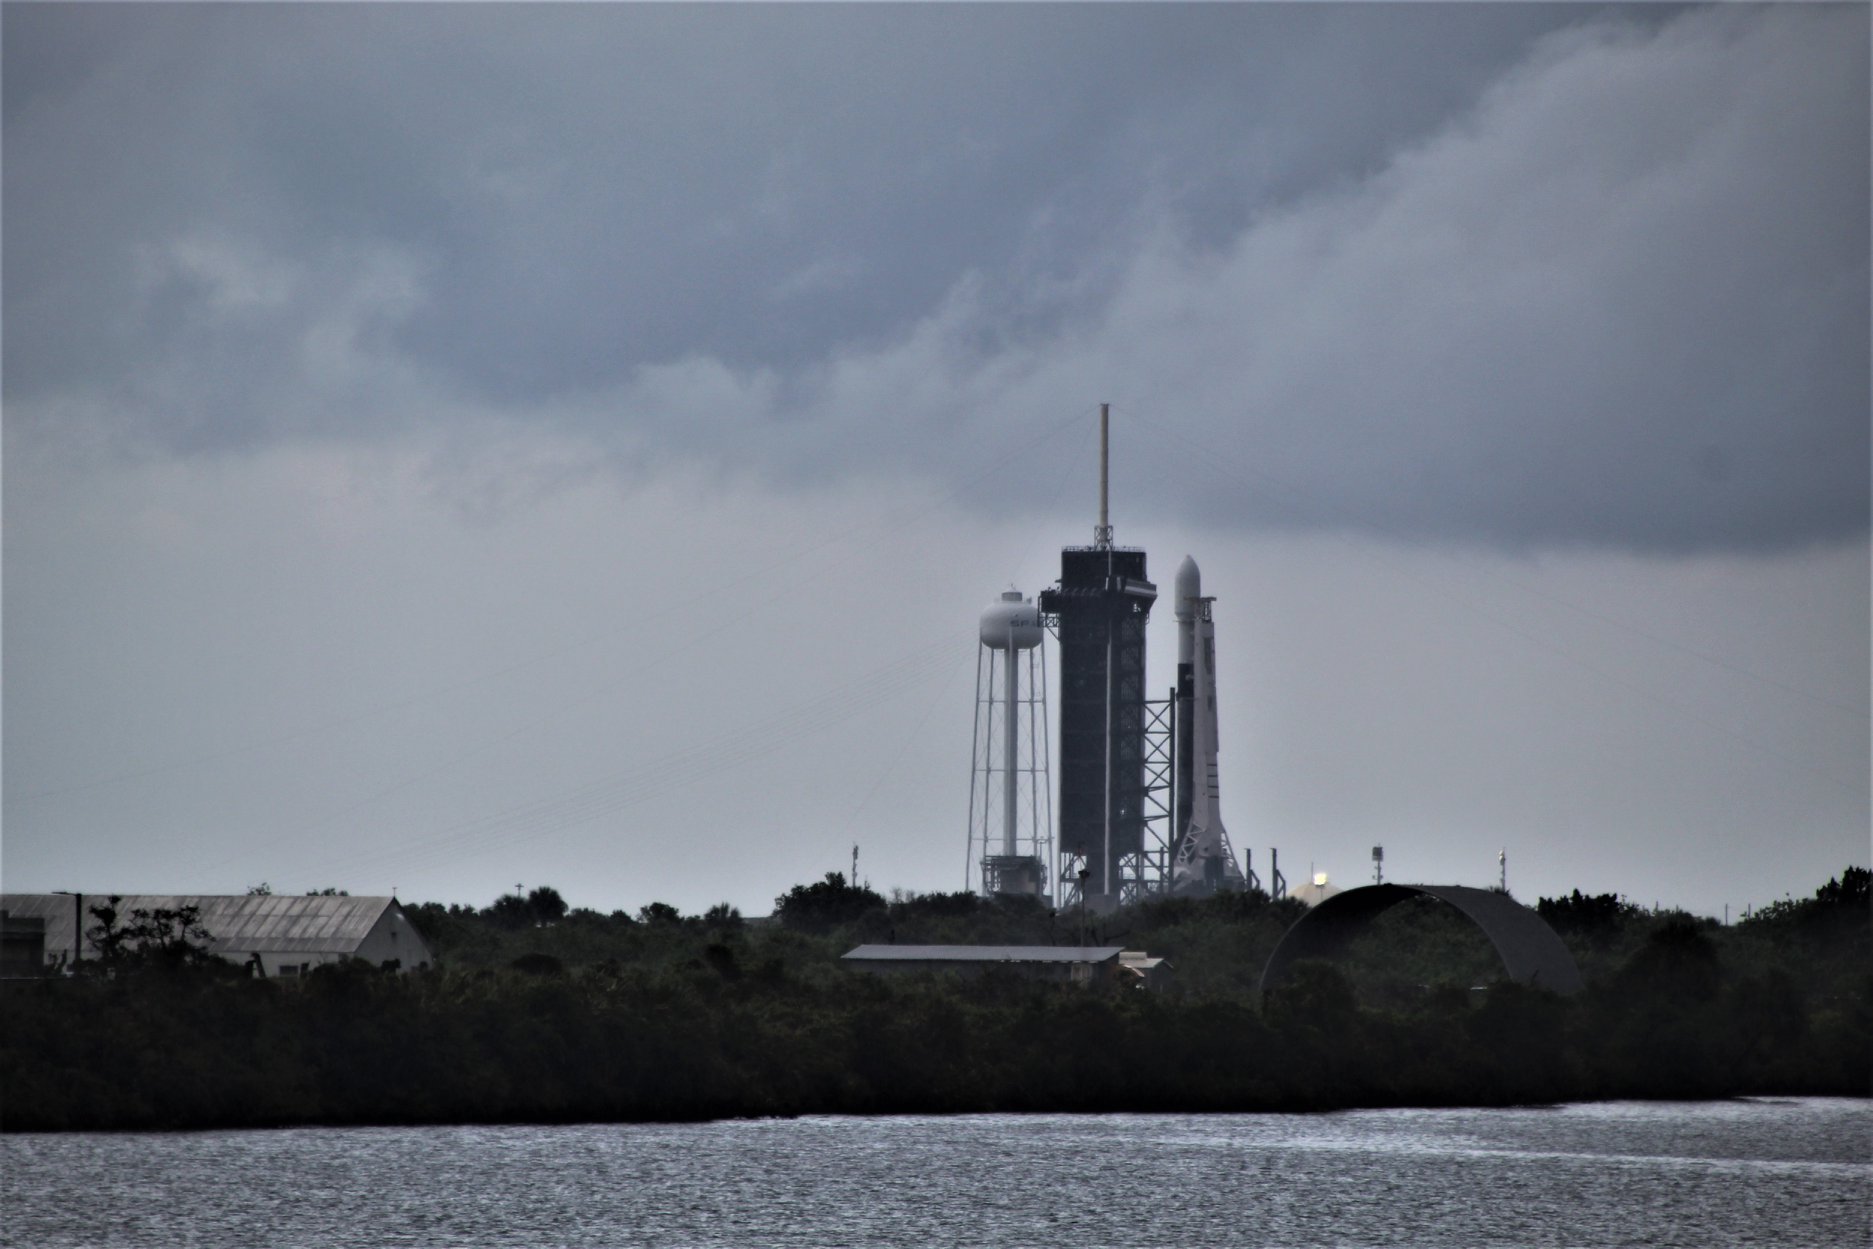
[(1529, 949)]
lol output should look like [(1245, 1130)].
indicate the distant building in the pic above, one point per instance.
[(1067, 964), (289, 934), (22, 944), (1145, 971), (1529, 950)]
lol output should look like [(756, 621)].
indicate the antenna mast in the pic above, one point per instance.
[(1102, 533)]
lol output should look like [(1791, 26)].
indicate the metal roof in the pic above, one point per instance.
[(276, 923), (984, 953), (1529, 949)]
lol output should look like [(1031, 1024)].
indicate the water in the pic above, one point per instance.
[(1757, 1172)]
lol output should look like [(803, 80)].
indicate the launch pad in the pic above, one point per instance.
[(1139, 797)]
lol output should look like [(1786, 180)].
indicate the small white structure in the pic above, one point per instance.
[(1010, 800), (1145, 970), (290, 934)]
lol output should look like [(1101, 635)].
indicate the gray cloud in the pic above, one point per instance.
[(449, 445), (594, 188), (1516, 275)]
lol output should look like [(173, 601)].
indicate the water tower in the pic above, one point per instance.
[(1010, 804)]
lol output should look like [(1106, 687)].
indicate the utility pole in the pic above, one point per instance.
[(1084, 873)]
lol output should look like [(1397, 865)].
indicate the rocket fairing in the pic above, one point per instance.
[(1204, 861)]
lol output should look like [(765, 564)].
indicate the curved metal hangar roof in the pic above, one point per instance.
[(1529, 949)]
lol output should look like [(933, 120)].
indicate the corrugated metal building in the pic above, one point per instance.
[(1076, 964), (22, 944), (291, 934)]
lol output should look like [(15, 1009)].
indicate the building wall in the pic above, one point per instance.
[(22, 945), (394, 937), (1053, 972)]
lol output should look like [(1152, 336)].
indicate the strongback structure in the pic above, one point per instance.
[(1010, 808), (1203, 862), (1099, 609)]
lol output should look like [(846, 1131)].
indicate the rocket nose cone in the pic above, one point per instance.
[(1189, 585)]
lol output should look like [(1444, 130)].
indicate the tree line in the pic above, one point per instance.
[(542, 1012)]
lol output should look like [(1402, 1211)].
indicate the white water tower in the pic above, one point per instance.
[(1010, 799)]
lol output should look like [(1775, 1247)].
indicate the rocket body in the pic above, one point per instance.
[(1203, 861)]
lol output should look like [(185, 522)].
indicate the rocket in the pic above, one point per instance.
[(1203, 862)]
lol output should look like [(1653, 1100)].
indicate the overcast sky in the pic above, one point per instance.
[(450, 447)]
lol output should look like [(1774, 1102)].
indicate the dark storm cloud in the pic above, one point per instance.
[(1515, 274), (422, 419), (595, 187)]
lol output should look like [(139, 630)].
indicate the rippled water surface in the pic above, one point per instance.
[(1781, 1173)]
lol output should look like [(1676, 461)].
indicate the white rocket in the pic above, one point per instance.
[(1204, 861)]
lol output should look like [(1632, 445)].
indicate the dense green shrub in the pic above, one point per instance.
[(574, 1015)]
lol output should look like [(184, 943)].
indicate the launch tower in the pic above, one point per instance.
[(1099, 608)]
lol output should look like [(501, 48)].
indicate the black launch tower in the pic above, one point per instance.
[(1099, 609)]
